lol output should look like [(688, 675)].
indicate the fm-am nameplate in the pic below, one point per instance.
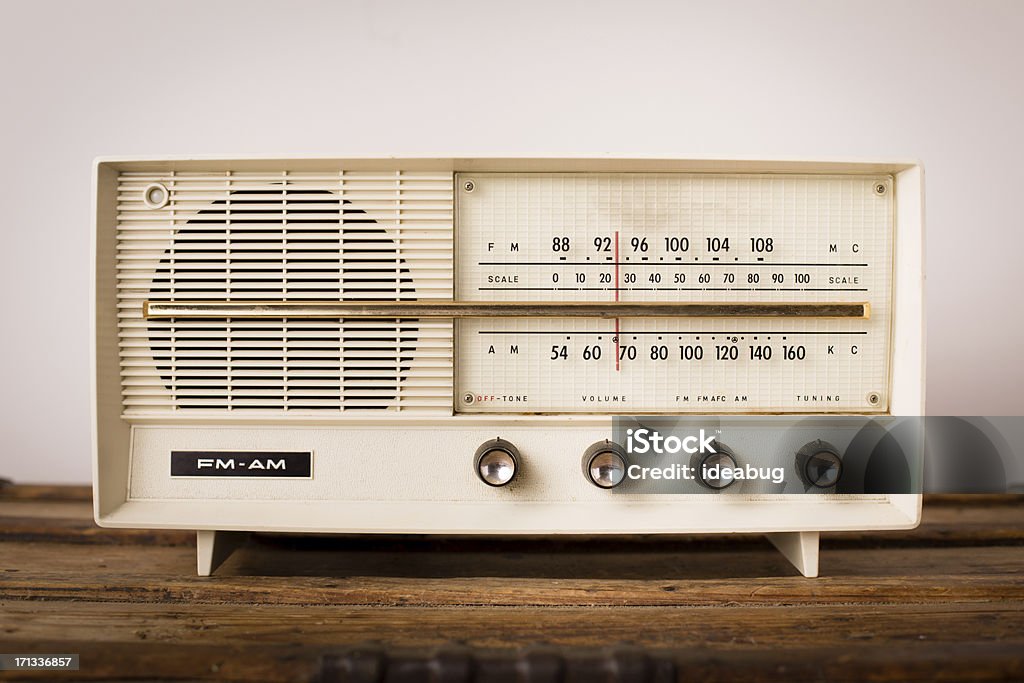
[(290, 464)]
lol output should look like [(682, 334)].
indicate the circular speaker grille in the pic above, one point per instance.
[(282, 244)]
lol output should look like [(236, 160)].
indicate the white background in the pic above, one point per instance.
[(937, 81)]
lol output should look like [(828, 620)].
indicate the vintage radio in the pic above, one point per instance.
[(440, 345)]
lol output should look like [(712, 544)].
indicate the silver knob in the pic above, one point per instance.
[(715, 470), (819, 465), (604, 464), (496, 462)]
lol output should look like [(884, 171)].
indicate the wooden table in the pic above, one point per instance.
[(945, 601)]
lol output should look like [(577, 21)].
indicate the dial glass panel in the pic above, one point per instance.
[(674, 237)]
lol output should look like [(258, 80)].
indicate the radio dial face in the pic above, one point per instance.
[(659, 238)]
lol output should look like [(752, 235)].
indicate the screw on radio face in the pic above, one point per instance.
[(880, 189), (496, 462), (604, 464), (468, 185), (714, 470), (156, 196), (819, 465)]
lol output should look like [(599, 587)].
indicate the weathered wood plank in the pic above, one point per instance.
[(919, 661), (166, 661), (943, 602), (82, 530), (295, 662), (55, 492), (758, 576), (722, 628)]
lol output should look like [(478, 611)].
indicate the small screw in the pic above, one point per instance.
[(469, 186), (874, 398), (468, 398), (156, 196), (880, 189)]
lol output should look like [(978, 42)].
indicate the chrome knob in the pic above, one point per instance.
[(496, 462), (819, 465), (715, 470), (604, 464)]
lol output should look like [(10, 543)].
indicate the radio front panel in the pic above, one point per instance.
[(435, 345)]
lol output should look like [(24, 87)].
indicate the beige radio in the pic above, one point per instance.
[(436, 345)]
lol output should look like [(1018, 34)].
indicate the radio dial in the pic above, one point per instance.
[(604, 464), (715, 470), (819, 465), (497, 462)]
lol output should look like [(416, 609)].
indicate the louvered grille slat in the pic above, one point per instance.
[(289, 236)]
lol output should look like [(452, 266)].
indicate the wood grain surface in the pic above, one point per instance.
[(942, 602)]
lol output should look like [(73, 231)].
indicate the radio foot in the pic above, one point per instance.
[(800, 548), (213, 547)]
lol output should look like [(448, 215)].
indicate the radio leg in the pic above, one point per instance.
[(213, 547), (800, 548)]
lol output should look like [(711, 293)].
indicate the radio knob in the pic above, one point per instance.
[(496, 462), (819, 465), (604, 464), (714, 470)]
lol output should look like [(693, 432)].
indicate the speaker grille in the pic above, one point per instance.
[(288, 236)]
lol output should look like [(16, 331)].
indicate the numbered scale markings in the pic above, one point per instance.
[(709, 239)]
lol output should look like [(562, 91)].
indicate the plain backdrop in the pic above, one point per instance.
[(937, 81)]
